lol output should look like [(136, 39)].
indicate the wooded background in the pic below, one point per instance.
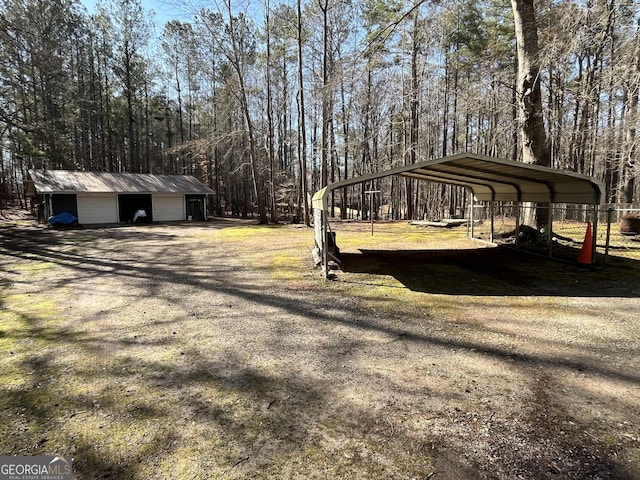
[(269, 102)]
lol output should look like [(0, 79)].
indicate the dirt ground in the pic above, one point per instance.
[(217, 350)]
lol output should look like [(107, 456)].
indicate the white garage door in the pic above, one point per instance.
[(168, 208), (97, 209)]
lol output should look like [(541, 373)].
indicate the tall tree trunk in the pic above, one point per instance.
[(414, 117), (324, 161), (535, 146), (345, 132), (270, 135), (302, 153), (256, 171), (132, 159), (445, 113), (629, 165)]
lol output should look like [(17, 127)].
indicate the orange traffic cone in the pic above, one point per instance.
[(587, 247)]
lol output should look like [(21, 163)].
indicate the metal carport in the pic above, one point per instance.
[(486, 178)]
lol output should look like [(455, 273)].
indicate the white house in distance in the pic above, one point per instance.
[(104, 197)]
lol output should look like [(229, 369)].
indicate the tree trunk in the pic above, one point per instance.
[(256, 171), (324, 165), (414, 117), (302, 153), (270, 139), (535, 146), (629, 167)]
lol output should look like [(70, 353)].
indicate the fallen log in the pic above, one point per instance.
[(531, 235), (444, 223)]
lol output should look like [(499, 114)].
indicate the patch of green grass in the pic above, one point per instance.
[(35, 267), (28, 306), (249, 232), (27, 330), (285, 266), (29, 264), (16, 223), (610, 441)]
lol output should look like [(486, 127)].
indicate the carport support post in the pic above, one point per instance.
[(492, 208), (518, 225), (471, 215), (606, 248), (550, 232), (50, 205), (371, 193), (325, 247), (594, 239)]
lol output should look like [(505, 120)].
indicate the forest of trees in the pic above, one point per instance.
[(266, 103)]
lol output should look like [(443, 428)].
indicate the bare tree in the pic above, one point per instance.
[(238, 35), (302, 129)]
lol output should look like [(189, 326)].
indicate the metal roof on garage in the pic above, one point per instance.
[(491, 179), (68, 181)]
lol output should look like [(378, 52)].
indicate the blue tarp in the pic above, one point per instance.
[(63, 218)]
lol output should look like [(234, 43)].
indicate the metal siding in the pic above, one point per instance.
[(97, 209), (487, 177), (167, 208)]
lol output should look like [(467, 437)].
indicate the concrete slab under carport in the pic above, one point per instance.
[(485, 178)]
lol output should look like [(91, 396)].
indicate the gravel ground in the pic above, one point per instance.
[(216, 350)]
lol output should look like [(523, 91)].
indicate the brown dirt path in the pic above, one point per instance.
[(216, 350)]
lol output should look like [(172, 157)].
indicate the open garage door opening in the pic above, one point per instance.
[(129, 204), (196, 207)]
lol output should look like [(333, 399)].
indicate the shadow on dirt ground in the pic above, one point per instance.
[(494, 271), (179, 352)]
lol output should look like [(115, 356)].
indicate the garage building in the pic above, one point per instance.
[(104, 197)]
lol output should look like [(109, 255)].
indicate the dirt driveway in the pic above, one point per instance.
[(216, 350)]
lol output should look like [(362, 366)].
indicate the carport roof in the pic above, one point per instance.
[(67, 181), (491, 178)]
